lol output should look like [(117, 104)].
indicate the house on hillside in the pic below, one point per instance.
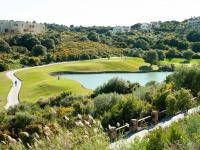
[(10, 26), (121, 29), (194, 22), (145, 26)]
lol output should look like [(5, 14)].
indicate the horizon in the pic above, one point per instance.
[(98, 13)]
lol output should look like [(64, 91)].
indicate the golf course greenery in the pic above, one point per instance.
[(37, 83)]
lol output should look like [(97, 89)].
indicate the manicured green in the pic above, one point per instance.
[(5, 85), (37, 83)]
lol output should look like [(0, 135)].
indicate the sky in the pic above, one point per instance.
[(98, 12)]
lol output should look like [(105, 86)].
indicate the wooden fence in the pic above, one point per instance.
[(136, 125)]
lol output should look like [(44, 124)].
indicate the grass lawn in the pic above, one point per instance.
[(37, 83), (180, 61), (5, 85)]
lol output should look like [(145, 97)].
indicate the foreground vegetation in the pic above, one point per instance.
[(74, 121)]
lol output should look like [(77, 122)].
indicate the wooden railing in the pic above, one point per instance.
[(135, 124)]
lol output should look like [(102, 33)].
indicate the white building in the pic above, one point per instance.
[(155, 25), (121, 29), (9, 26), (194, 22), (145, 26)]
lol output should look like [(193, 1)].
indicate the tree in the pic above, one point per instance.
[(29, 41), (152, 57), (93, 36), (141, 43), (48, 43), (194, 36), (3, 67), (196, 47), (161, 55), (39, 50), (188, 55), (4, 46)]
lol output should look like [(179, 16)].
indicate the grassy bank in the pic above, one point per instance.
[(37, 83), (5, 85)]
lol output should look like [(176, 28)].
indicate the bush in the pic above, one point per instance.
[(3, 67), (104, 102), (166, 68), (114, 85), (155, 140), (196, 47), (145, 68), (186, 77), (4, 46), (39, 50)]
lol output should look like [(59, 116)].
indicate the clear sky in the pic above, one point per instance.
[(98, 12)]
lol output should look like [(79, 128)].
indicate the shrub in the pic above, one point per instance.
[(104, 102), (3, 67), (166, 68), (114, 85), (188, 78), (39, 50), (155, 140), (171, 104), (145, 68)]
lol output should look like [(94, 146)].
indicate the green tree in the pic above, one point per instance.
[(194, 36), (4, 46), (188, 55), (39, 50), (152, 57), (48, 43), (161, 55), (29, 41), (93, 36), (196, 47)]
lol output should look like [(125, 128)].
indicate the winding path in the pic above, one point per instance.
[(13, 96)]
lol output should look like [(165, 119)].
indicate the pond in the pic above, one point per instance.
[(92, 81)]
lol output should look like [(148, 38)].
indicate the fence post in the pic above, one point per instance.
[(113, 133), (155, 116), (134, 125)]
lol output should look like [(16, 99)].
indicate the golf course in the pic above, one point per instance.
[(37, 83)]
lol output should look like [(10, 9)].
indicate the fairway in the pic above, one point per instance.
[(37, 83)]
